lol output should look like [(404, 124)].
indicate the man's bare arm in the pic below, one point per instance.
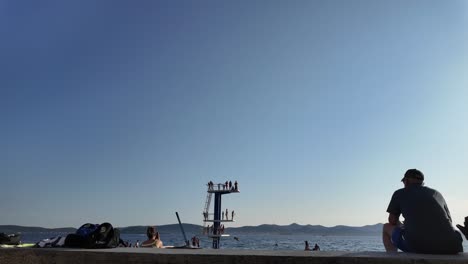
[(393, 219)]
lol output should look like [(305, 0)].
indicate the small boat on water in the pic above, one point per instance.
[(11, 239)]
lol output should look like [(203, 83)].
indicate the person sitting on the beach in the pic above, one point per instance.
[(153, 238), (195, 241), (316, 247), (307, 247), (428, 225)]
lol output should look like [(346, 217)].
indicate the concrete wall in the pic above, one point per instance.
[(211, 256)]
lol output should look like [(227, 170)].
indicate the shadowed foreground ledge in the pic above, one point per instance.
[(196, 256)]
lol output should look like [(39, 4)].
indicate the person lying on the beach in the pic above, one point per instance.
[(153, 238)]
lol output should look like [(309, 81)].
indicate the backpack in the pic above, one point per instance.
[(105, 236), (86, 229), (94, 236)]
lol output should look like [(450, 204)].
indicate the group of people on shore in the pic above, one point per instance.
[(307, 247), (224, 186), (427, 226)]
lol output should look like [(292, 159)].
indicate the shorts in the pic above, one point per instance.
[(398, 240)]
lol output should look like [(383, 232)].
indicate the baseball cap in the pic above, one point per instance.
[(413, 173)]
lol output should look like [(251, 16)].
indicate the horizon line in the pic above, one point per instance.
[(198, 225)]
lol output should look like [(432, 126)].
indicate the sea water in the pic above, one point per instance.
[(255, 241)]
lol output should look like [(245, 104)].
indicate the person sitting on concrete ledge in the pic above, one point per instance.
[(428, 225), (153, 238)]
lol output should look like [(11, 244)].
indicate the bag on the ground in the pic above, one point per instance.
[(86, 229), (13, 239), (94, 236), (81, 238), (105, 236)]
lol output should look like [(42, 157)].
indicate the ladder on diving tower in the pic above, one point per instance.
[(207, 206)]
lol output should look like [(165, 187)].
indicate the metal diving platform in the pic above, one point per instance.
[(216, 231)]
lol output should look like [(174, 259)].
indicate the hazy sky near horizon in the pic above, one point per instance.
[(122, 111)]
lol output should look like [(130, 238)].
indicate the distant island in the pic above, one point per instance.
[(292, 229)]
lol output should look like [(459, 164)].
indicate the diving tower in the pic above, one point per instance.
[(216, 231)]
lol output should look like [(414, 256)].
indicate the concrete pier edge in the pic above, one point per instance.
[(195, 256)]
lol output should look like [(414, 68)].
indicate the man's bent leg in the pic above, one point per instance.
[(387, 237)]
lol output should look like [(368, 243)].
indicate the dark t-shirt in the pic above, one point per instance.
[(428, 225)]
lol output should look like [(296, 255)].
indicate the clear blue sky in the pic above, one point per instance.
[(122, 111)]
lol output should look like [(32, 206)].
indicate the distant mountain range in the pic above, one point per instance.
[(291, 229)]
